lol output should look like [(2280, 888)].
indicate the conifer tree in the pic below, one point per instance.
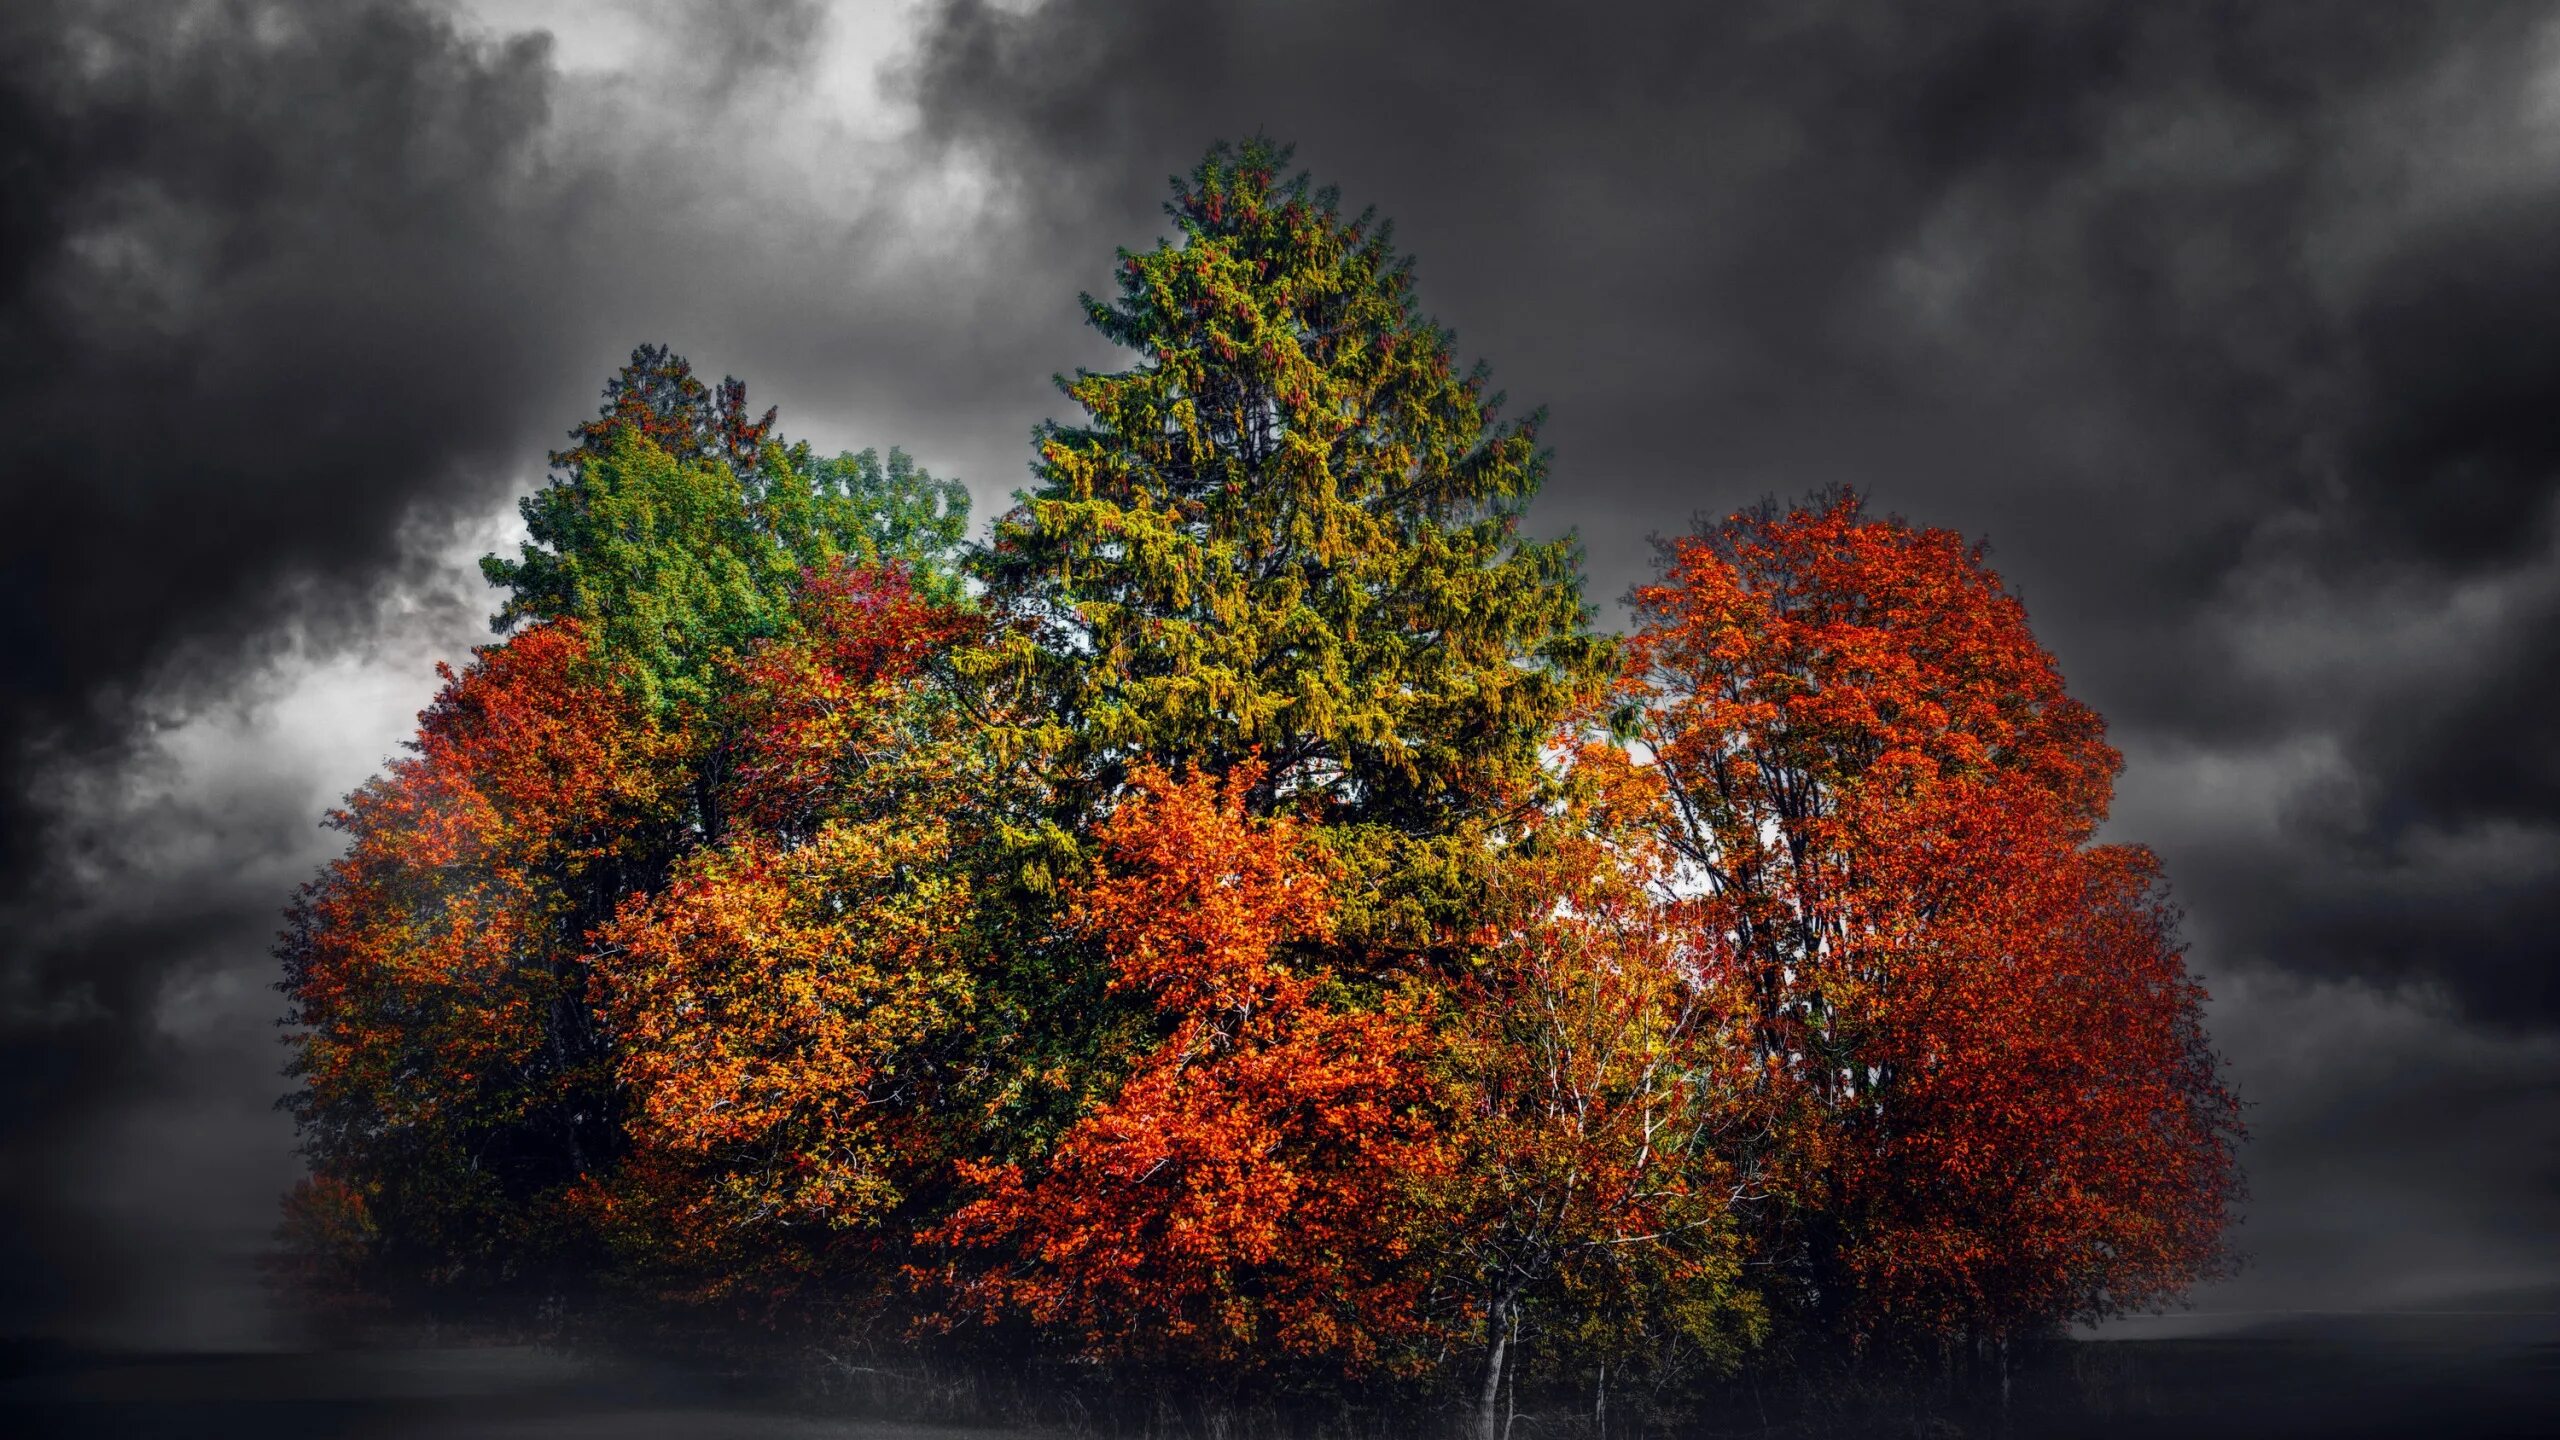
[(1291, 529)]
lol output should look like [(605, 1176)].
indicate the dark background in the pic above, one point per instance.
[(2232, 328)]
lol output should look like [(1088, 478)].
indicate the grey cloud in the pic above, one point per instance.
[(2371, 1099), (274, 277), (271, 279)]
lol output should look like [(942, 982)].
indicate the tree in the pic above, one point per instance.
[(1974, 1025), (707, 618), (1247, 1195), (783, 1013), (676, 531), (453, 1084), (1285, 541), (1291, 533), (774, 1014), (656, 396), (846, 718), (2049, 1140), (1605, 1142), (879, 511)]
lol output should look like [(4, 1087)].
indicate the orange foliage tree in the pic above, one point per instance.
[(1248, 1193), (2001, 1110), (675, 784), (779, 1012)]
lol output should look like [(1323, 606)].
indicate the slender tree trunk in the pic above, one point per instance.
[(1600, 1404), (1510, 1400), (1489, 1406)]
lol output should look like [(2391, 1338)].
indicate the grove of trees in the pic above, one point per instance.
[(1242, 917)]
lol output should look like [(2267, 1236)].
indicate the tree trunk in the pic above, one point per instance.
[(1600, 1404), (1489, 1407), (1510, 1400)]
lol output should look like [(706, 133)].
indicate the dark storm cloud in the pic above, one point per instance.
[(270, 281), (2158, 297), (272, 278), (2406, 1155)]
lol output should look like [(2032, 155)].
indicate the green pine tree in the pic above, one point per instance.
[(1292, 529)]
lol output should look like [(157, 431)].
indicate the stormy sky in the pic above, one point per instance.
[(2233, 330)]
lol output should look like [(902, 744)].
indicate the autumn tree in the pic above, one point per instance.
[(1607, 1137), (677, 532), (2048, 1139), (453, 1083), (656, 396), (1247, 1193), (706, 619), (773, 1013), (2001, 1109), (783, 1013)]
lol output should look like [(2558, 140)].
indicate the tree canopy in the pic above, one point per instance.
[(1240, 916)]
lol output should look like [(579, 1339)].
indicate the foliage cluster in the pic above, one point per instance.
[(1242, 916)]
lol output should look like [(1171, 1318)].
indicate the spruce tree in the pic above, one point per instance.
[(1291, 529)]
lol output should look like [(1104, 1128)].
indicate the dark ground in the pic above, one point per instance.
[(2450, 1376)]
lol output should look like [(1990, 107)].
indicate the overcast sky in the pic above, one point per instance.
[(2232, 328)]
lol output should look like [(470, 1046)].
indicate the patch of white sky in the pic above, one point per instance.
[(827, 130)]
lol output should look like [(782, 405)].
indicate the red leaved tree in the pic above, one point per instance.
[(2049, 1139), (2000, 1111)]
